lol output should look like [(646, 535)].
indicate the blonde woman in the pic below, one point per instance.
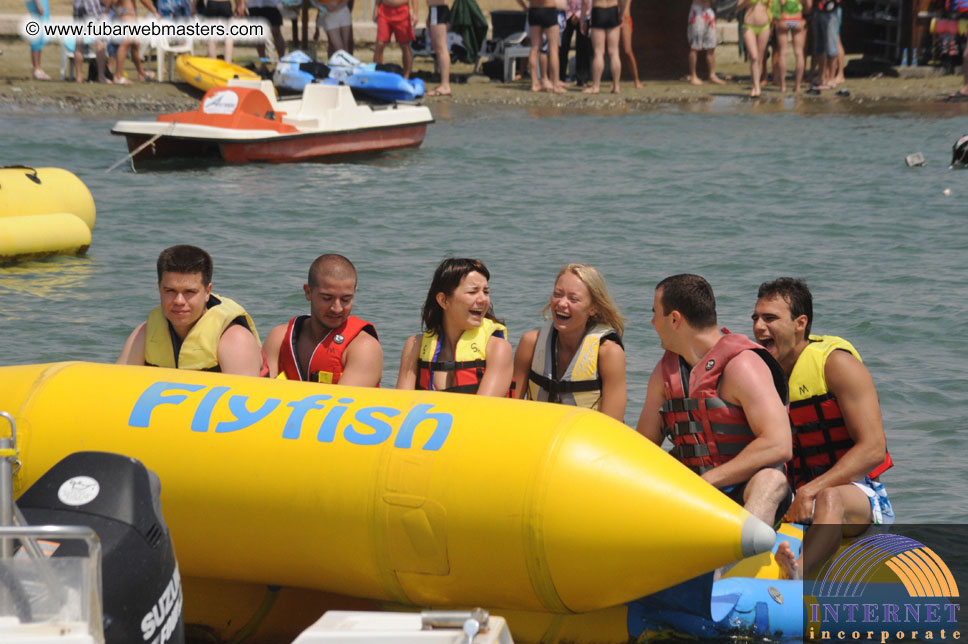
[(756, 36), (577, 357)]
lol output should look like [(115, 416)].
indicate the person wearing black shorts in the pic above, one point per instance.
[(438, 17), (606, 31), (269, 11), (222, 9), (543, 21)]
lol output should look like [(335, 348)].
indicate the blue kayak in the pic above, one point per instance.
[(384, 86)]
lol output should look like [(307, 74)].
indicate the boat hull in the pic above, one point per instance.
[(283, 149)]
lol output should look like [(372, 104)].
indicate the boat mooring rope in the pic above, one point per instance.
[(131, 155)]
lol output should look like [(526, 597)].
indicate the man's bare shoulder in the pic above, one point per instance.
[(746, 375), (365, 342), (276, 335)]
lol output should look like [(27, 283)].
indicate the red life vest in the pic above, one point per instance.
[(820, 437), (326, 363), (706, 431)]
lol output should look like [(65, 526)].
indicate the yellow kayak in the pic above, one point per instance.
[(206, 73)]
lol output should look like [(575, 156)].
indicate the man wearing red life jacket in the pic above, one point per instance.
[(838, 438), (330, 345), (720, 398), (194, 328)]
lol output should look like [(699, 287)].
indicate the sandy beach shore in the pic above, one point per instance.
[(920, 89)]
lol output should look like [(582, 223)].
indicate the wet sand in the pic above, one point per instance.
[(921, 90)]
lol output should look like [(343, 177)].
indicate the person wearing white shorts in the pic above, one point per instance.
[(839, 447), (701, 32), (336, 20)]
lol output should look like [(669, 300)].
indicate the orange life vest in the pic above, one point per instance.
[(326, 363)]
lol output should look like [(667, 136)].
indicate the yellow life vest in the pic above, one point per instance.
[(469, 359), (808, 379), (581, 384), (199, 349)]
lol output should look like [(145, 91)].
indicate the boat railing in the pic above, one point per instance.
[(38, 591)]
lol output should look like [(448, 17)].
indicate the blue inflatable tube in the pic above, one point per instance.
[(729, 607)]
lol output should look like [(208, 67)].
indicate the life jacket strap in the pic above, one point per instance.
[(451, 365), (564, 386)]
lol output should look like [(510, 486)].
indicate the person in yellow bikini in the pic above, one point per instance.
[(756, 36), (790, 24)]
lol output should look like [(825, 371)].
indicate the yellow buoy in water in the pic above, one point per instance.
[(43, 211), (421, 498)]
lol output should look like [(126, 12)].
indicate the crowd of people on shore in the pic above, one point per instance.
[(786, 423), (769, 28)]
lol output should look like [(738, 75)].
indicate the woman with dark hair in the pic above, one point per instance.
[(464, 347)]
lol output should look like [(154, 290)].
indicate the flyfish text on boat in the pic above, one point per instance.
[(160, 622), (321, 414)]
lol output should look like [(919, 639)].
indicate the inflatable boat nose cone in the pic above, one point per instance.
[(756, 537)]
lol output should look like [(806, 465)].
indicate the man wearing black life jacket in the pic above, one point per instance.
[(194, 328), (720, 399), (330, 345), (838, 438)]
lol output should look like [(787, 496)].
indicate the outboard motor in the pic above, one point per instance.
[(959, 153), (120, 499)]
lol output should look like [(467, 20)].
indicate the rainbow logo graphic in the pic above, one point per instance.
[(918, 568)]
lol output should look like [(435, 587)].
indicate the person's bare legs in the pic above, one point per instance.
[(693, 60), (119, 65), (782, 39), (378, 52), (598, 61), (278, 40), (79, 60), (839, 75), (711, 64), (100, 54), (534, 59), (346, 39), (756, 68), (799, 42), (613, 38), (763, 494), (626, 30), (756, 46), (407, 58), (334, 39), (438, 38), (227, 50), (553, 34), (839, 511)]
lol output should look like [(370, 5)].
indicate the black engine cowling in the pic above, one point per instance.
[(120, 499)]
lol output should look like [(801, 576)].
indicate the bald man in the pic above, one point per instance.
[(329, 345)]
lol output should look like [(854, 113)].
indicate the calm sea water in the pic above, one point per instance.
[(737, 197)]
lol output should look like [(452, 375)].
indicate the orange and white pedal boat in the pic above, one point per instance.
[(245, 122)]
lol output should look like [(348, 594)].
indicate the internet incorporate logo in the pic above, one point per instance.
[(884, 587)]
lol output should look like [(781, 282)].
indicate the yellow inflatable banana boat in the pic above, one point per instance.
[(205, 73), (43, 211), (419, 498)]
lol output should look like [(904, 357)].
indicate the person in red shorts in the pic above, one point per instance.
[(394, 17)]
